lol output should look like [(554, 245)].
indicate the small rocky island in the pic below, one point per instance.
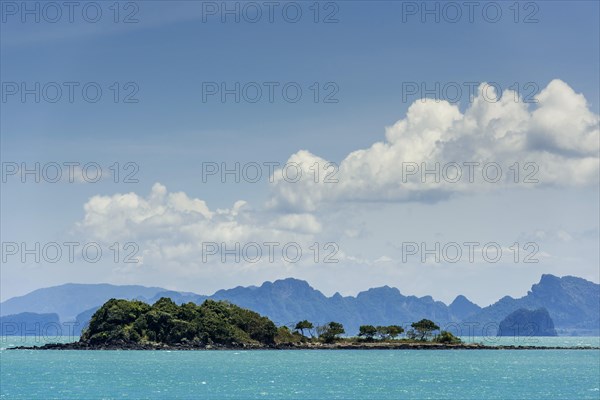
[(135, 325), (523, 322)]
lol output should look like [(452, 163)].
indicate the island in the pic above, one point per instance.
[(135, 325), (524, 322)]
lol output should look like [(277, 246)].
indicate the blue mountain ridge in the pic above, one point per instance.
[(573, 304), (30, 324)]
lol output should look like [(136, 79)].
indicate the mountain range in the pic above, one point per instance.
[(573, 304)]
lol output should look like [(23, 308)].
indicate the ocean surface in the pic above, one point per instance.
[(549, 341), (301, 374)]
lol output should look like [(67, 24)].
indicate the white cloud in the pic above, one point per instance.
[(126, 215), (173, 230), (556, 143), (304, 223), (170, 228)]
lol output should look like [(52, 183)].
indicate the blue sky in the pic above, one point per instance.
[(369, 54)]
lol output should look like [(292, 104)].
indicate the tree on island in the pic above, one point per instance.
[(329, 332), (286, 336), (424, 328), (367, 331), (393, 331), (302, 325), (384, 332), (447, 337)]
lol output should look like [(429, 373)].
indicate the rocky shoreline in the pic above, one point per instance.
[(298, 346)]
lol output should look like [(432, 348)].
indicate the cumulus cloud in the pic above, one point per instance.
[(558, 136), (437, 150), (303, 223), (180, 231), (126, 215)]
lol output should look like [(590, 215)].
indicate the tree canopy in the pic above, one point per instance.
[(330, 332), (367, 331), (212, 322), (302, 325), (446, 337), (394, 330), (424, 328)]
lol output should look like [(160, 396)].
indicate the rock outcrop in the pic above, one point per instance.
[(523, 322)]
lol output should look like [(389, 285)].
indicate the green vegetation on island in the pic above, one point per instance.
[(135, 324), (212, 322)]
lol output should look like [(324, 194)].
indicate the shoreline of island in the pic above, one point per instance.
[(218, 325), (304, 346)]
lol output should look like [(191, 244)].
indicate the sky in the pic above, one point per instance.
[(198, 145)]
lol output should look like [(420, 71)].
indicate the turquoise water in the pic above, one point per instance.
[(554, 341), (301, 374)]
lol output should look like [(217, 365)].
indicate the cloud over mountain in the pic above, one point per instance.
[(554, 143)]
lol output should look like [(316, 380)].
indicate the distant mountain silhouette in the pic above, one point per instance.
[(72, 298), (525, 322), (462, 308), (572, 303), (30, 324)]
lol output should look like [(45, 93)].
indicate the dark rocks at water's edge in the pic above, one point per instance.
[(130, 345), (525, 323), (126, 346)]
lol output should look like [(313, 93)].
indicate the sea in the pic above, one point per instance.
[(304, 374)]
